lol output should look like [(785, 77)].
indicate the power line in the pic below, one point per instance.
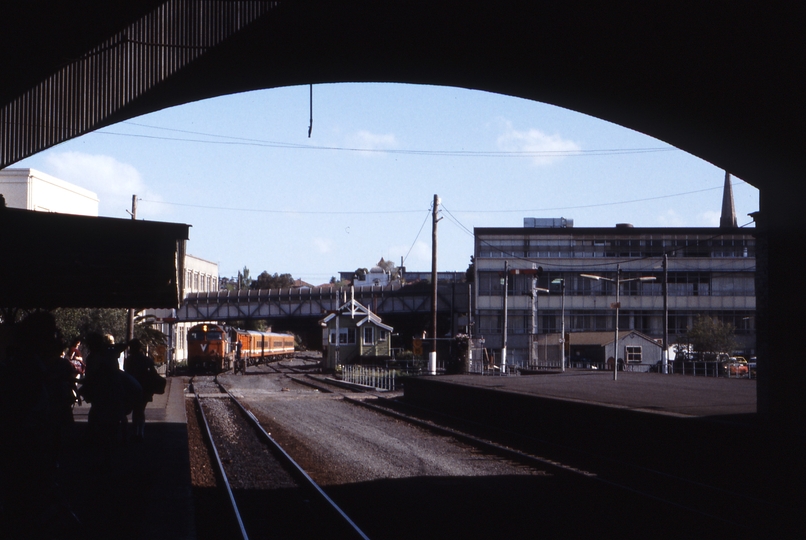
[(613, 203), (371, 212), (269, 211), (243, 141), (416, 237)]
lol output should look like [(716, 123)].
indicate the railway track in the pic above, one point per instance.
[(674, 493), (717, 509), (277, 499), (737, 511)]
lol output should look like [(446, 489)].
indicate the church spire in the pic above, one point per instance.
[(728, 218)]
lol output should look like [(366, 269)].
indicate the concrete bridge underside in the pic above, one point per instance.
[(720, 80)]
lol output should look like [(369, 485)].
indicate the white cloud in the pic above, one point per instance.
[(671, 219), (373, 142), (323, 245), (418, 258), (113, 181), (711, 218), (552, 147)]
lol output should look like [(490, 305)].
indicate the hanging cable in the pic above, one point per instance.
[(427, 215), (310, 124)]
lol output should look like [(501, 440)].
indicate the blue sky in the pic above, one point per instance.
[(259, 193)]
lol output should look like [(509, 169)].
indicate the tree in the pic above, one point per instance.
[(470, 273), (276, 281), (149, 336), (244, 281), (78, 322), (389, 267), (711, 336), (226, 284)]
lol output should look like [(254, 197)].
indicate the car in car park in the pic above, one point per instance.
[(751, 367), (735, 366)]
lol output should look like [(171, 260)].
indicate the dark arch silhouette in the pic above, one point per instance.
[(717, 79)]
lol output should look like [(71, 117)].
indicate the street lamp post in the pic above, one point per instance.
[(561, 281), (618, 281), (535, 330)]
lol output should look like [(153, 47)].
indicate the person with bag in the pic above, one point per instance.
[(140, 366)]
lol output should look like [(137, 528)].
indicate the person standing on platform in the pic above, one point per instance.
[(111, 394), (140, 366)]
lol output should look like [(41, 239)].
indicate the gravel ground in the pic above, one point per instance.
[(235, 441), (341, 443), (337, 442), (400, 481)]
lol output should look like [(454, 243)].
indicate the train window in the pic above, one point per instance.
[(196, 334), (217, 336)]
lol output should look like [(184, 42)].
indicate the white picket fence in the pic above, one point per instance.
[(376, 377)]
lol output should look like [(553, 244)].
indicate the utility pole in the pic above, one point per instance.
[(130, 316), (434, 220), (504, 338), (665, 313), (617, 305)]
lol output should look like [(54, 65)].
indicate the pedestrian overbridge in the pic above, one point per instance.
[(307, 302)]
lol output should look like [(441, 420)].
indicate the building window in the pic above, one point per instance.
[(347, 336), (490, 324), (369, 335), (633, 354)]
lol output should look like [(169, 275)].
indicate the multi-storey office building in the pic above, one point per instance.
[(199, 276), (710, 273)]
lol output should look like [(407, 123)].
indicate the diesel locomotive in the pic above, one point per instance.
[(213, 348)]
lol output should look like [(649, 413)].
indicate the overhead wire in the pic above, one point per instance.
[(418, 234), (466, 230), (369, 212), (244, 141)]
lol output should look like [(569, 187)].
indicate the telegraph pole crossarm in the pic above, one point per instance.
[(618, 281)]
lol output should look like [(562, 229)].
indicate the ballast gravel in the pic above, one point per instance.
[(338, 442)]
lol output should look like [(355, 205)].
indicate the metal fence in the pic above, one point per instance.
[(713, 369), (376, 377)]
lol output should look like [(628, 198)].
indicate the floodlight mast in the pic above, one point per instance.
[(618, 281)]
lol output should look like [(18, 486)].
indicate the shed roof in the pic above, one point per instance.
[(357, 309), (59, 260), (605, 338)]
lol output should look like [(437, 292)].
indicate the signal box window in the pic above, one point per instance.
[(346, 336), (633, 355)]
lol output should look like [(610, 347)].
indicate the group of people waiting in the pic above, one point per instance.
[(43, 380)]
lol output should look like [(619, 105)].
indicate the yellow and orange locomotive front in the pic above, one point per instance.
[(208, 348), (212, 348)]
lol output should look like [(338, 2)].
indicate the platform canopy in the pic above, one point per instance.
[(50, 260)]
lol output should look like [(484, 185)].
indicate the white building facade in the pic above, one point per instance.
[(30, 189), (711, 272), (199, 276)]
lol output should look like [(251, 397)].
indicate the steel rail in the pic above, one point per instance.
[(296, 468), (220, 468)]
